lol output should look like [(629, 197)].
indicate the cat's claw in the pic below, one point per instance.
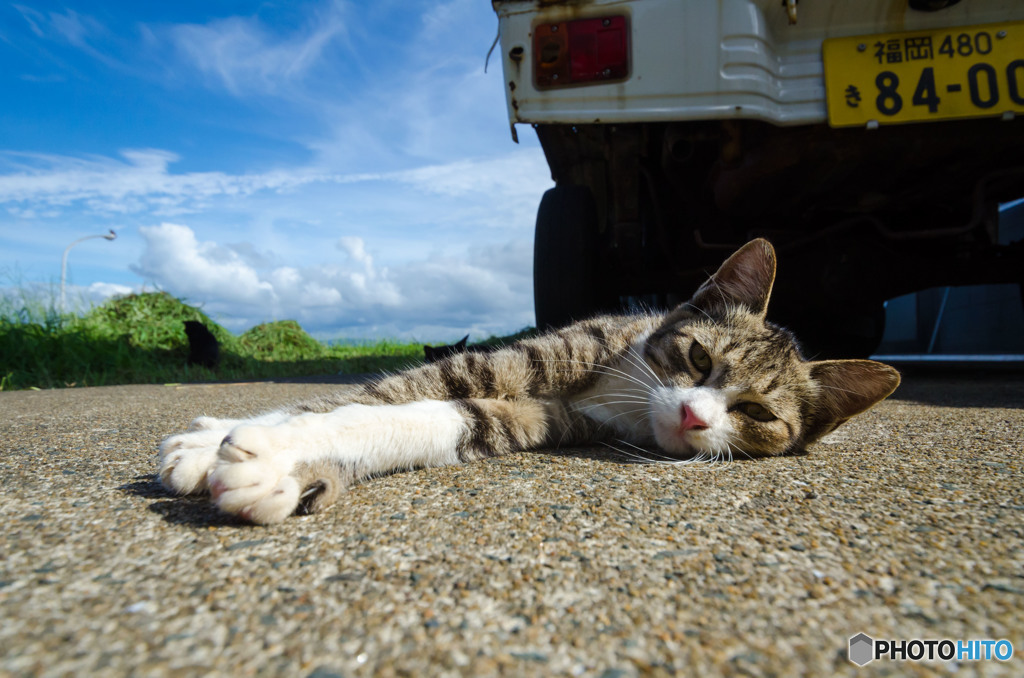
[(187, 459), (251, 476)]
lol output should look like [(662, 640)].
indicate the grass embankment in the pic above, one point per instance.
[(140, 339)]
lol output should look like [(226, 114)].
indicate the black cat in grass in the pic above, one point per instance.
[(433, 354), (203, 348)]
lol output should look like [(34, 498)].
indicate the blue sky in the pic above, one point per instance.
[(345, 164)]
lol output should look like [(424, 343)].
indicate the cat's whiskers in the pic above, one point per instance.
[(708, 458), (632, 455), (615, 398), (841, 390), (661, 458), (623, 413), (638, 361), (629, 354), (733, 446), (632, 393), (594, 406), (642, 410), (574, 417), (803, 399), (727, 457), (603, 369), (628, 455), (700, 310)]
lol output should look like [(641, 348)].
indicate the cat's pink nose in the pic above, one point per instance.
[(691, 422)]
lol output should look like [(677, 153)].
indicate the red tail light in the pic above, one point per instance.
[(580, 51)]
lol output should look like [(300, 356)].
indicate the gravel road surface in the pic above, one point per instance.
[(906, 523)]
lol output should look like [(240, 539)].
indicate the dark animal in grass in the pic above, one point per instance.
[(203, 348), (434, 354)]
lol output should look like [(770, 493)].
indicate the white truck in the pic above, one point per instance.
[(871, 140)]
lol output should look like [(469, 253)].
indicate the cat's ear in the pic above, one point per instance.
[(744, 279), (462, 342), (847, 388)]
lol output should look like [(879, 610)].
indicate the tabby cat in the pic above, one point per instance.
[(709, 380)]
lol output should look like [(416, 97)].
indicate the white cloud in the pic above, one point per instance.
[(485, 290), (173, 256), (356, 250), (99, 292), (421, 100), (82, 32), (74, 27), (71, 26), (515, 174), (247, 57), (139, 182), (38, 185)]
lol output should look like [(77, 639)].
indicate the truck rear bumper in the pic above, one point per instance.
[(709, 59)]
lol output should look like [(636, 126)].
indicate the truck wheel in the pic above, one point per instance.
[(565, 257)]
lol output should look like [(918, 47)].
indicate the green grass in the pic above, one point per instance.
[(140, 339)]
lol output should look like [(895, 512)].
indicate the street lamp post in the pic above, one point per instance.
[(64, 262)]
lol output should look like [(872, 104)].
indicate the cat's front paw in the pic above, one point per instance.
[(251, 477), (186, 460)]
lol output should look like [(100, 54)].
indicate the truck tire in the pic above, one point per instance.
[(566, 285)]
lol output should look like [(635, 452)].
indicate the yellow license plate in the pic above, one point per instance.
[(935, 74)]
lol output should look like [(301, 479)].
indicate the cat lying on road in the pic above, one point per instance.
[(709, 380)]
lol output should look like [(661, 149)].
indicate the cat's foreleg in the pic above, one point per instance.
[(263, 472)]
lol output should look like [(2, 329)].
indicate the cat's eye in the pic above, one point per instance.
[(700, 358), (756, 411)]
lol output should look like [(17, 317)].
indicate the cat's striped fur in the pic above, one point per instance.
[(709, 380)]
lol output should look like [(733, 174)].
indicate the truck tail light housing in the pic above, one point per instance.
[(582, 51)]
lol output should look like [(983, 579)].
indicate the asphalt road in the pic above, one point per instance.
[(907, 523)]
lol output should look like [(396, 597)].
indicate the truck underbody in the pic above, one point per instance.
[(857, 216)]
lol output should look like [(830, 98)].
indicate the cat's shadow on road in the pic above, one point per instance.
[(189, 510), (197, 511)]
